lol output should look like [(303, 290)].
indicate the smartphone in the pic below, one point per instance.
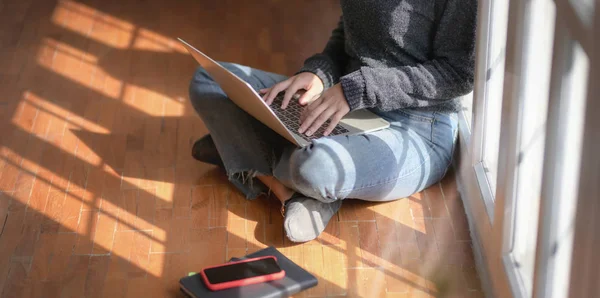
[(242, 273)]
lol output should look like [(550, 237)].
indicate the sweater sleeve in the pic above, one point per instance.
[(447, 75), (329, 64)]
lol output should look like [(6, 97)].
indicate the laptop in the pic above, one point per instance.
[(284, 122)]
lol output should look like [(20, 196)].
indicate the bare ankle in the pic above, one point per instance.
[(282, 192)]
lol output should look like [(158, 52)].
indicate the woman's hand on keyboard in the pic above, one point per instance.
[(307, 81), (332, 105)]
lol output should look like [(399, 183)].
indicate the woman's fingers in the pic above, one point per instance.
[(309, 96), (270, 96), (313, 111), (320, 120), (303, 81), (337, 117), (290, 91), (307, 109)]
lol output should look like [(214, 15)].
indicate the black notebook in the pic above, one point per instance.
[(296, 279)]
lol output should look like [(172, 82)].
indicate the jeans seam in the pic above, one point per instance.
[(415, 117), (438, 144), (433, 127)]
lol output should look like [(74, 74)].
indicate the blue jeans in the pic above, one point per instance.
[(412, 154)]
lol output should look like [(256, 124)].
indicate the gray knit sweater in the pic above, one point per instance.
[(395, 54)]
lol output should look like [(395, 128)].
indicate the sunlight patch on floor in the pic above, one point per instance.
[(58, 113), (106, 26)]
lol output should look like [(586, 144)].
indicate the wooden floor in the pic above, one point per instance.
[(99, 196)]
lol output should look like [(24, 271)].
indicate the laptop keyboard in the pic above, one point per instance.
[(291, 118)]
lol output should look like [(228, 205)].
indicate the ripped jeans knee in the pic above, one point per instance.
[(313, 171)]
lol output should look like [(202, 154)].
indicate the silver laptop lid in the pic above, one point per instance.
[(242, 94)]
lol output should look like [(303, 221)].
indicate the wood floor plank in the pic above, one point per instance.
[(139, 259), (86, 231), (55, 212), (200, 206), (61, 255), (145, 210), (111, 191), (164, 182), (104, 235), (75, 277), (350, 246), (182, 195), (117, 277), (5, 201), (42, 257), (313, 262), (128, 210), (16, 280), (28, 232), (163, 219), (369, 244), (96, 276), (93, 190), (218, 206), (337, 278), (10, 237)]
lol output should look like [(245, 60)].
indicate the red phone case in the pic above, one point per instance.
[(241, 282)]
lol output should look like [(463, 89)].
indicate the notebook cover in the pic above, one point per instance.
[(296, 279)]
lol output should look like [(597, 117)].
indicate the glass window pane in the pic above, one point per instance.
[(495, 77), (536, 84)]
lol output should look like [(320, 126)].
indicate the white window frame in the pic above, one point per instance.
[(488, 214), (485, 62)]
